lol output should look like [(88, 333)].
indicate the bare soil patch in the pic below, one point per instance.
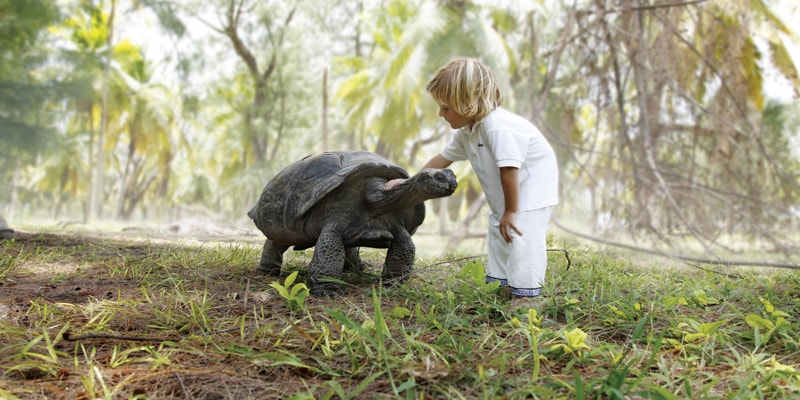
[(193, 321)]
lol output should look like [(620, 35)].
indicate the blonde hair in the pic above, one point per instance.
[(468, 86)]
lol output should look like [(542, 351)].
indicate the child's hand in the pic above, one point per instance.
[(392, 183), (508, 222)]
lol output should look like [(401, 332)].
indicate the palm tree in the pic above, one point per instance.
[(385, 95), (89, 30), (148, 138)]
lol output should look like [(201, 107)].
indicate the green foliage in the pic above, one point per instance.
[(7, 265), (769, 322), (574, 342), (208, 118), (473, 278), (24, 93), (384, 93), (294, 293)]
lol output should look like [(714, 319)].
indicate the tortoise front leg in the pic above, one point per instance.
[(328, 261), (399, 257), (271, 258)]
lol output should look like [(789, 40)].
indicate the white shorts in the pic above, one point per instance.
[(521, 264)]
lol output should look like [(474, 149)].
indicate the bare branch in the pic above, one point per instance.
[(231, 30), (676, 256), (273, 58), (647, 7), (552, 69), (641, 90)]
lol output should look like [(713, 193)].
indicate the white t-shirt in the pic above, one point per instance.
[(504, 139)]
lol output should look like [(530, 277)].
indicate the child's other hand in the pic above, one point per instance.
[(507, 224), (392, 183)]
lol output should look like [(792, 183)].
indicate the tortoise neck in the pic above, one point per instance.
[(401, 196)]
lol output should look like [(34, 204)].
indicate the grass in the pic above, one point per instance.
[(90, 316)]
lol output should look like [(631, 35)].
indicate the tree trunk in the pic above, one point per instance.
[(325, 143), (261, 109), (97, 198), (14, 190)]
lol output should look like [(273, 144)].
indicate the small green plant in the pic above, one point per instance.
[(4, 394), (475, 276), (94, 382), (532, 333), (295, 294), (701, 298), (139, 355), (574, 342), (770, 322), (40, 353), (694, 331), (7, 264)]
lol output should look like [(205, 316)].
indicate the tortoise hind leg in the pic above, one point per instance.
[(352, 261), (358, 269), (271, 258)]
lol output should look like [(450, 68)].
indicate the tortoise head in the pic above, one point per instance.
[(430, 183), (433, 183)]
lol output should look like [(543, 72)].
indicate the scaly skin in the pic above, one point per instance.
[(5, 231), (336, 202)]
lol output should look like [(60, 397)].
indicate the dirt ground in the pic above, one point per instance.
[(23, 285), (70, 271), (69, 258)]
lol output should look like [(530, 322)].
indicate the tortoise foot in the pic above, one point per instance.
[(269, 270), (325, 289), (363, 277), (395, 276), (7, 233)]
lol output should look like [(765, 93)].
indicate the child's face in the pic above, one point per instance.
[(456, 120)]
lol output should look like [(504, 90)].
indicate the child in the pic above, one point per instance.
[(515, 165)]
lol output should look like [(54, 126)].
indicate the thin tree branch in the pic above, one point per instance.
[(273, 59), (723, 262), (641, 89), (552, 69), (232, 31), (647, 7)]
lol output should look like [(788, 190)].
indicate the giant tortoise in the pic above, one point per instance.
[(336, 202), (5, 231)]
